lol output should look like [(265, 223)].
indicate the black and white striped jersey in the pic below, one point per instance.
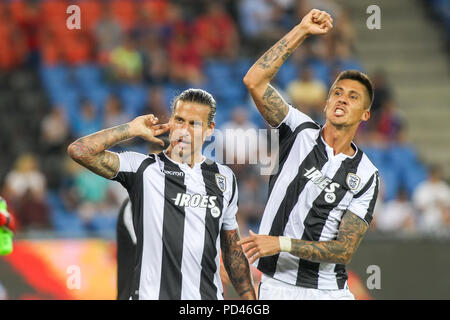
[(308, 196), (178, 213)]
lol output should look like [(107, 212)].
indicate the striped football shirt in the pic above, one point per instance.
[(178, 213), (308, 196)]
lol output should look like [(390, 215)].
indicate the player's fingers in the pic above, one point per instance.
[(160, 129), (315, 13), (244, 240), (249, 246), (254, 258), (251, 253)]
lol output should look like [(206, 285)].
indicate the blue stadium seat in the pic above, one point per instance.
[(134, 98), (390, 182), (288, 72)]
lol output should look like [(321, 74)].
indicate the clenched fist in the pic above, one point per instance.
[(316, 22), (147, 128)]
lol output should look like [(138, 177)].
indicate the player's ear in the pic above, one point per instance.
[(366, 115), (210, 129)]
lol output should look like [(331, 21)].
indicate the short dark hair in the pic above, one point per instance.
[(361, 78), (198, 96)]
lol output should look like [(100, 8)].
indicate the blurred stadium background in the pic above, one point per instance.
[(131, 57)]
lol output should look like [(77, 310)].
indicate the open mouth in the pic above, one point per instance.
[(339, 111)]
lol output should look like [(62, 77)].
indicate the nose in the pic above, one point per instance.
[(342, 100)]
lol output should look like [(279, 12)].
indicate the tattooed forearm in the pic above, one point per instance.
[(274, 108), (351, 232), (236, 264), (90, 151), (268, 101), (272, 56)]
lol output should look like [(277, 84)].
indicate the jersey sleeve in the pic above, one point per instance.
[(129, 165), (363, 203), (293, 119), (229, 215)]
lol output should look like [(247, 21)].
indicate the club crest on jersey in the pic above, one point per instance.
[(353, 181), (221, 182)]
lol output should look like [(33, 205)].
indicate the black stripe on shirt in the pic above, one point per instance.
[(172, 234), (208, 290), (308, 271), (369, 215), (317, 157), (137, 200), (286, 143), (125, 250)]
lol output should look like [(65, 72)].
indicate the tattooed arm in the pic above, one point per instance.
[(340, 251), (236, 264), (90, 151), (268, 101)]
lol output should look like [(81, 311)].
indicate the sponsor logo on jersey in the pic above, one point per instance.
[(173, 173), (325, 184), (198, 201)]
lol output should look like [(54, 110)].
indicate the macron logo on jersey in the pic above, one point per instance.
[(173, 173), (323, 183), (198, 200)]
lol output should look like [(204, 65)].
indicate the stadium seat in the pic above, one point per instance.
[(288, 72), (133, 98)]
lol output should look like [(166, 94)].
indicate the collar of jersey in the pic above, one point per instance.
[(330, 150), (184, 165)]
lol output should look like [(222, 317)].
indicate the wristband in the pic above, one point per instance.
[(285, 244)]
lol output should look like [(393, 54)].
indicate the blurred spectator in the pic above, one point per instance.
[(432, 199), (54, 131), (240, 137), (25, 186), (256, 17), (396, 215), (216, 35), (108, 35), (25, 176), (389, 122), (155, 60), (252, 199), (51, 51), (185, 59), (156, 104), (96, 197), (12, 42), (88, 121), (126, 62), (29, 22), (77, 47), (308, 94), (382, 93), (114, 114)]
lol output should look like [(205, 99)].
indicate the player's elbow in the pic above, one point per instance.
[(249, 82), (76, 151), (347, 257)]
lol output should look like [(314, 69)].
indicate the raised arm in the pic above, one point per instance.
[(340, 251), (270, 104), (236, 264), (90, 151)]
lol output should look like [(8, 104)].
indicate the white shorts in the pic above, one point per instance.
[(272, 289)]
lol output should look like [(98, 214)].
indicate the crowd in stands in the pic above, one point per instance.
[(132, 57)]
